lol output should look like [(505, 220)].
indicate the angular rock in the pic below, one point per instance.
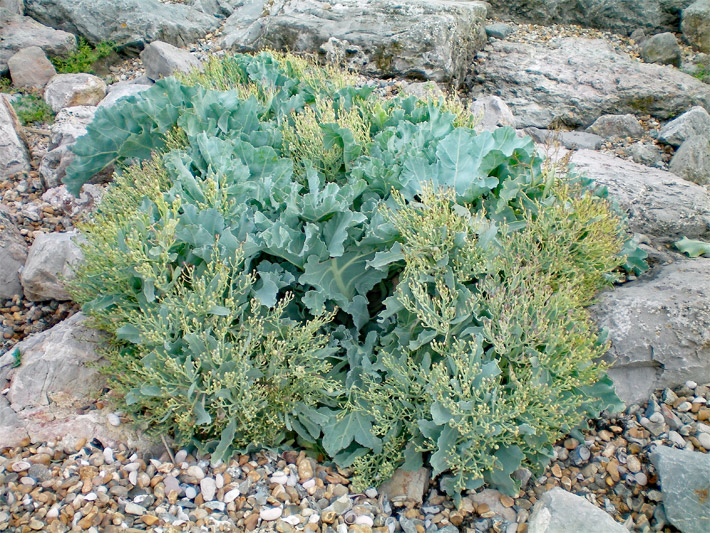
[(14, 156), (69, 124), (559, 511), (491, 498), (58, 376), (69, 90), (65, 202), (499, 30), (418, 39), (13, 252), (51, 260), (692, 160), (410, 485), (695, 121), (162, 60), (618, 16), (696, 24), (685, 483), (659, 329), (18, 32), (574, 81), (657, 203), (613, 126), (30, 68), (125, 22), (572, 140), (121, 90), (646, 154), (661, 48), (493, 113)]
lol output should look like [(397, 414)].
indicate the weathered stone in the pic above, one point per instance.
[(18, 32), (493, 113), (121, 90), (685, 484), (16, 7), (499, 30), (692, 160), (659, 329), (613, 126), (657, 203), (411, 485), (646, 154), (574, 81), (696, 24), (419, 39), (695, 121), (491, 498), (30, 68), (51, 260), (559, 511), (618, 16), (162, 60), (661, 48), (14, 156), (423, 90), (572, 140), (70, 90), (69, 124), (65, 202), (13, 252), (125, 22)]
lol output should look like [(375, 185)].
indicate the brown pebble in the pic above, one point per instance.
[(149, 520), (482, 508), (556, 470), (704, 414), (506, 500), (612, 469), (251, 521), (571, 443), (79, 444), (456, 518)]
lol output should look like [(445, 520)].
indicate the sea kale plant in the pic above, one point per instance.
[(287, 258)]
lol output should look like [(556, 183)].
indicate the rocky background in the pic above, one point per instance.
[(619, 87)]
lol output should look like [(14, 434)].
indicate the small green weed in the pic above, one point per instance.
[(83, 59), (18, 358), (32, 108)]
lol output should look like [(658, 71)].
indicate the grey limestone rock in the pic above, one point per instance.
[(499, 30), (646, 154), (125, 22), (69, 124), (692, 160), (618, 16), (657, 203), (18, 32), (661, 48), (695, 121), (30, 68), (572, 140), (493, 113), (14, 156), (559, 511), (162, 59), (13, 253), (685, 484), (574, 81), (122, 90), (696, 24), (418, 39), (16, 7), (51, 260), (659, 327), (611, 126), (69, 90)]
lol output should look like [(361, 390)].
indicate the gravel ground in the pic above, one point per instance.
[(47, 487)]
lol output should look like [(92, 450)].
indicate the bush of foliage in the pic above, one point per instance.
[(287, 258)]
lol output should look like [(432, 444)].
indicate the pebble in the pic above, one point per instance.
[(271, 514)]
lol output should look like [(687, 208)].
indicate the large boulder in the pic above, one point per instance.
[(125, 22), (695, 121), (696, 24), (418, 38), (69, 90), (14, 156), (51, 260), (30, 68), (661, 48), (121, 90), (162, 60), (692, 160), (13, 252), (659, 327), (559, 511), (57, 378), (574, 81), (657, 203), (615, 126), (685, 484), (69, 124), (18, 32), (620, 16)]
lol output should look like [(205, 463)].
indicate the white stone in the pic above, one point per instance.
[(270, 514), (232, 495), (108, 455), (68, 90), (196, 472), (134, 509), (364, 520), (14, 156), (113, 419), (190, 492), (208, 487), (180, 456), (51, 260), (704, 440)]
